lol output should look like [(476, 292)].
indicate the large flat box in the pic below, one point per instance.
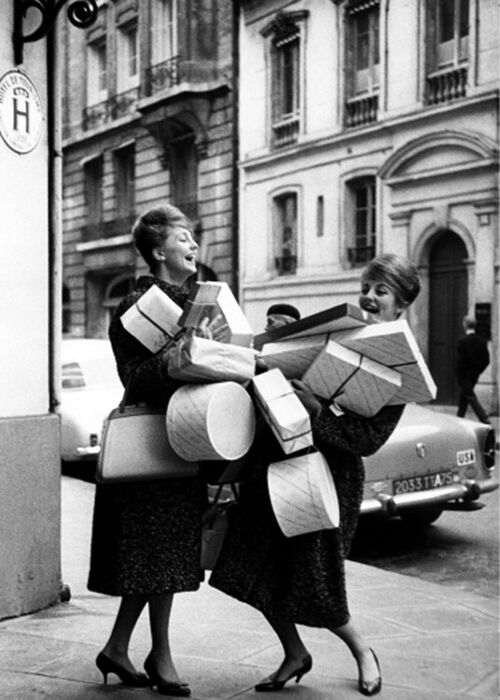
[(393, 344), (340, 317), (353, 381), (283, 411), (153, 319), (207, 301), (293, 356)]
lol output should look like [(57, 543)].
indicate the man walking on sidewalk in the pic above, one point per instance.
[(472, 359)]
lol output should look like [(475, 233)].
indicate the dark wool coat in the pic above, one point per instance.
[(300, 579), (146, 535)]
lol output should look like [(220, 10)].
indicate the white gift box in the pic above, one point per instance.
[(351, 380), (283, 411), (152, 319), (210, 421), (293, 356), (211, 299), (202, 360), (393, 344), (303, 494)]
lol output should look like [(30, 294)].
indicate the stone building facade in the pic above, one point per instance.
[(148, 119), (370, 126)]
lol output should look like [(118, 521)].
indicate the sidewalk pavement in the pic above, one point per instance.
[(433, 642)]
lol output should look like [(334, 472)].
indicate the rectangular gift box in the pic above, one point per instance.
[(283, 411), (354, 382), (211, 299), (152, 319), (393, 344), (340, 317), (293, 356)]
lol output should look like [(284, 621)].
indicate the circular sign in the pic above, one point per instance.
[(21, 115)]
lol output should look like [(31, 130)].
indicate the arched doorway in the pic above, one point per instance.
[(447, 306)]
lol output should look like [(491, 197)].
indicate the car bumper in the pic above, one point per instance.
[(391, 505), (89, 452)]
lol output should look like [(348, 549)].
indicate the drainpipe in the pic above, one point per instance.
[(235, 145), (54, 178)]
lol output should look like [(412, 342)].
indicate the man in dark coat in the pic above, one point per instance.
[(472, 359)]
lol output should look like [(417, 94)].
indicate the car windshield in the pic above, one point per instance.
[(95, 371)]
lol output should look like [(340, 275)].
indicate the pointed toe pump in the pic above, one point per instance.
[(271, 684), (371, 687), (164, 687), (130, 678)]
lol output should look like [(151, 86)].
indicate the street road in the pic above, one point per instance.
[(460, 549)]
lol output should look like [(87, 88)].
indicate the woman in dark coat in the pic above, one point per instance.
[(301, 580), (146, 535)]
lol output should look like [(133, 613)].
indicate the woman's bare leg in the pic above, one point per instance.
[(293, 646), (116, 648), (368, 669), (160, 607)]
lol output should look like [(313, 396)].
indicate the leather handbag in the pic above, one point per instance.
[(135, 447)]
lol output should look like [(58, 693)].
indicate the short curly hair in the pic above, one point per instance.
[(151, 229), (398, 272)]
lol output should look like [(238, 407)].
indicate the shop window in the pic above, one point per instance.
[(361, 216), (285, 233)]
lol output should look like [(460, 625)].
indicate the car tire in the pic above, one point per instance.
[(421, 517)]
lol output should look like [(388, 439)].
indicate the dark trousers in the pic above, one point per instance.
[(467, 397)]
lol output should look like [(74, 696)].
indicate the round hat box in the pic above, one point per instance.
[(303, 494), (211, 421)]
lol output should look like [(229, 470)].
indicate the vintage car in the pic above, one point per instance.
[(432, 462), (90, 389)]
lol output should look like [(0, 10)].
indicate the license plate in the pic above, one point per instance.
[(465, 457), (422, 483)]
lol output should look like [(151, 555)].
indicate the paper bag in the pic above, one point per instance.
[(194, 359)]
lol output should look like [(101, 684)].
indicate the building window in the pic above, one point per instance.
[(448, 50), (361, 220), (66, 309), (127, 63), (125, 184), (184, 173), (97, 79), (363, 62), (320, 216), (163, 30), (285, 233), (286, 76), (92, 177), (103, 294)]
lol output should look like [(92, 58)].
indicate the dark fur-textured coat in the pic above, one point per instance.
[(146, 535), (300, 579)]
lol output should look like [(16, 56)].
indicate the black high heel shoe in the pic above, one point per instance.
[(164, 687), (371, 687), (130, 678), (270, 685)]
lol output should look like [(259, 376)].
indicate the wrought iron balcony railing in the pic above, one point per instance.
[(446, 85), (360, 255), (286, 264), (162, 75), (113, 108), (286, 131), (107, 229), (361, 110)]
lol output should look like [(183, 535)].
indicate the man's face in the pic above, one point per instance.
[(278, 320)]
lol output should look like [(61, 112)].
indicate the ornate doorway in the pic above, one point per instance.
[(448, 305)]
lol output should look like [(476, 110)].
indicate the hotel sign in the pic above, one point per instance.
[(21, 114)]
